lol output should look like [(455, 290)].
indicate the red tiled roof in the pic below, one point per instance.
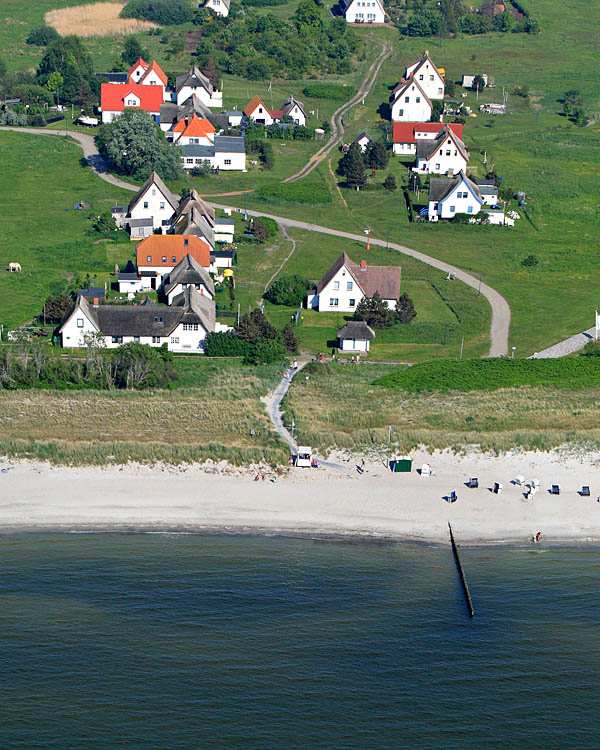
[(113, 95), (137, 63), (276, 114), (252, 105), (169, 246), (158, 70), (404, 132), (197, 128)]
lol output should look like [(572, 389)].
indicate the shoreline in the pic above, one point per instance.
[(330, 504)]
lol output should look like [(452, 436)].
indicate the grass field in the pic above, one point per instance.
[(97, 19), (340, 407)]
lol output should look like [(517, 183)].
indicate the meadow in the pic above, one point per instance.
[(341, 407), (96, 19)]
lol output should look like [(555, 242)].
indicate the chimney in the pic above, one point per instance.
[(96, 302), (427, 52), (363, 265)]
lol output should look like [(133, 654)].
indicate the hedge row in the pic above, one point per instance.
[(328, 91)]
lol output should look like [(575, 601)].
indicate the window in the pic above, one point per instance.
[(336, 284), (79, 322), (156, 339), (421, 77), (136, 339), (153, 191), (407, 98), (400, 113), (162, 204), (186, 241), (145, 204), (158, 319), (227, 161), (418, 99), (448, 152), (333, 302), (164, 259), (470, 209), (117, 339), (174, 340), (440, 91), (190, 326), (431, 78), (437, 166), (148, 259), (173, 259), (260, 109), (435, 206), (189, 161), (348, 286), (132, 102), (352, 302), (452, 209)]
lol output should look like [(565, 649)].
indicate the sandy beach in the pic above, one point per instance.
[(325, 501)]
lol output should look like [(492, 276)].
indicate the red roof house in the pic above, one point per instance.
[(117, 97)]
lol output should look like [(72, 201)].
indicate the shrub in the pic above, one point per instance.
[(140, 366), (288, 290), (390, 182), (262, 3), (328, 91), (310, 193), (289, 337), (10, 117), (529, 261), (264, 228), (163, 12), (264, 351), (42, 36), (225, 344)]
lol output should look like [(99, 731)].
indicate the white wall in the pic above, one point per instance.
[(461, 205), (431, 83), (158, 207), (237, 162), (365, 11), (444, 163), (216, 100), (180, 288), (219, 7), (297, 115), (262, 115), (75, 329), (133, 286), (354, 345), (411, 110), (337, 289), (404, 148)]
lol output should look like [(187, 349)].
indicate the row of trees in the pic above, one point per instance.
[(354, 164), (452, 17), (376, 313)]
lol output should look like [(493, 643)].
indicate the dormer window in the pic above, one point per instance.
[(186, 241), (164, 259), (173, 259), (149, 259)]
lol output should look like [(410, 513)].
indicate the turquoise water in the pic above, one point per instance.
[(185, 641)]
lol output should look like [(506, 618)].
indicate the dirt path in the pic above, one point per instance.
[(337, 119)]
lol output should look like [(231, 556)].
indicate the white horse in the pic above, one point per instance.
[(14, 267)]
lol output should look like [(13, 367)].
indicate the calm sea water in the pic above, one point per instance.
[(185, 641)]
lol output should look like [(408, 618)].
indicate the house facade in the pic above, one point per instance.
[(406, 135), (428, 76), (363, 141), (346, 283), (409, 103), (158, 255), (355, 337), (115, 98), (220, 7), (193, 130), (446, 154), (227, 153), (153, 200), (256, 111), (194, 82), (188, 273), (451, 196), (363, 11), (148, 74)]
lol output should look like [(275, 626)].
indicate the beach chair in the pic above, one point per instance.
[(452, 497), (473, 482), (555, 489), (425, 470), (520, 480), (535, 484), (497, 488), (585, 491)]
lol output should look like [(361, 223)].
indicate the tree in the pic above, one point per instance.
[(2, 68), (288, 290), (254, 326), (210, 70), (478, 83), (375, 312), (42, 36), (141, 366), (405, 309), (390, 182), (572, 96), (54, 83), (56, 307), (376, 156), (352, 166), (132, 50), (70, 58), (578, 116), (134, 144), (290, 339), (307, 14), (163, 12), (474, 23), (437, 109), (504, 21)]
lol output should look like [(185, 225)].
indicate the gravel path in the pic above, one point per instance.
[(568, 346)]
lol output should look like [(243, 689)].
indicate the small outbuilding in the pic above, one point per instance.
[(355, 336), (304, 456)]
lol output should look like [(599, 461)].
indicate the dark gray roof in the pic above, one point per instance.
[(118, 209), (233, 112), (426, 148), (188, 271), (195, 217), (148, 221), (197, 308), (114, 77), (198, 151), (127, 277), (487, 189), (401, 88), (223, 222), (486, 182), (170, 113), (194, 77), (221, 254), (230, 144), (289, 106), (154, 178), (363, 135), (92, 291), (356, 329), (441, 187)]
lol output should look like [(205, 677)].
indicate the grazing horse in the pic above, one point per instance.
[(14, 267)]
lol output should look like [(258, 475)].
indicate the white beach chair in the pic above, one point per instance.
[(535, 484), (425, 470), (520, 480), (498, 488)]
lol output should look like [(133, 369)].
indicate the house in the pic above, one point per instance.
[(115, 98), (427, 75), (153, 200), (220, 259), (162, 252), (182, 327), (409, 103), (346, 283), (234, 117), (140, 228), (171, 113), (355, 336), (195, 82), (363, 11), (451, 196), (188, 272), (224, 229), (220, 7), (195, 217), (194, 130), (488, 191), (130, 282), (445, 154), (94, 293), (257, 112), (228, 152), (468, 80), (363, 141), (148, 74), (405, 135)]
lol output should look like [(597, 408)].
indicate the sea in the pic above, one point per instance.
[(160, 641)]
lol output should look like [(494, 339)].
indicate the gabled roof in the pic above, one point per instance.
[(158, 70), (356, 329), (252, 105), (139, 63), (194, 128), (193, 204), (363, 135), (290, 104), (113, 96), (230, 144), (427, 148), (189, 271), (196, 308), (194, 77), (403, 86), (419, 63), (441, 187), (170, 246), (153, 179), (404, 132), (371, 279)]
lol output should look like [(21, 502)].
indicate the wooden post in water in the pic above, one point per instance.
[(461, 573)]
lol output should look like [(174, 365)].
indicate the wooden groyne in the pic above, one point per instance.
[(461, 573)]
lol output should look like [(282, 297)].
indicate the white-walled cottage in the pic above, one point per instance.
[(355, 337), (406, 135), (363, 11), (446, 154), (188, 272), (158, 255), (363, 141), (427, 75), (227, 153), (451, 196), (346, 283), (410, 103), (220, 7), (153, 200), (256, 111), (194, 82)]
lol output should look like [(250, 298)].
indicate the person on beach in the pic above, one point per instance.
[(538, 536)]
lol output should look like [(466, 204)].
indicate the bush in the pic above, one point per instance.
[(140, 366), (163, 12), (335, 91), (529, 261), (264, 351), (264, 228), (42, 36), (10, 117), (225, 344), (390, 182), (490, 374), (288, 290), (310, 193)]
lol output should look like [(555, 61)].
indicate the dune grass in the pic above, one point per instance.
[(97, 19)]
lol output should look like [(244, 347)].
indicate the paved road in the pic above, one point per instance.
[(337, 119), (568, 346), (500, 309)]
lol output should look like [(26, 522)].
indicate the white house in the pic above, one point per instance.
[(446, 154), (451, 196), (429, 78), (409, 103), (224, 229), (115, 98), (355, 336), (153, 200), (294, 109), (148, 74), (406, 135), (220, 7), (346, 283), (158, 255), (195, 217), (182, 327), (195, 82), (488, 191), (188, 272), (227, 153), (363, 141), (131, 282), (256, 111), (363, 11), (193, 130)]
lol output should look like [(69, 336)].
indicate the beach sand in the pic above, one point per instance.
[(320, 502)]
